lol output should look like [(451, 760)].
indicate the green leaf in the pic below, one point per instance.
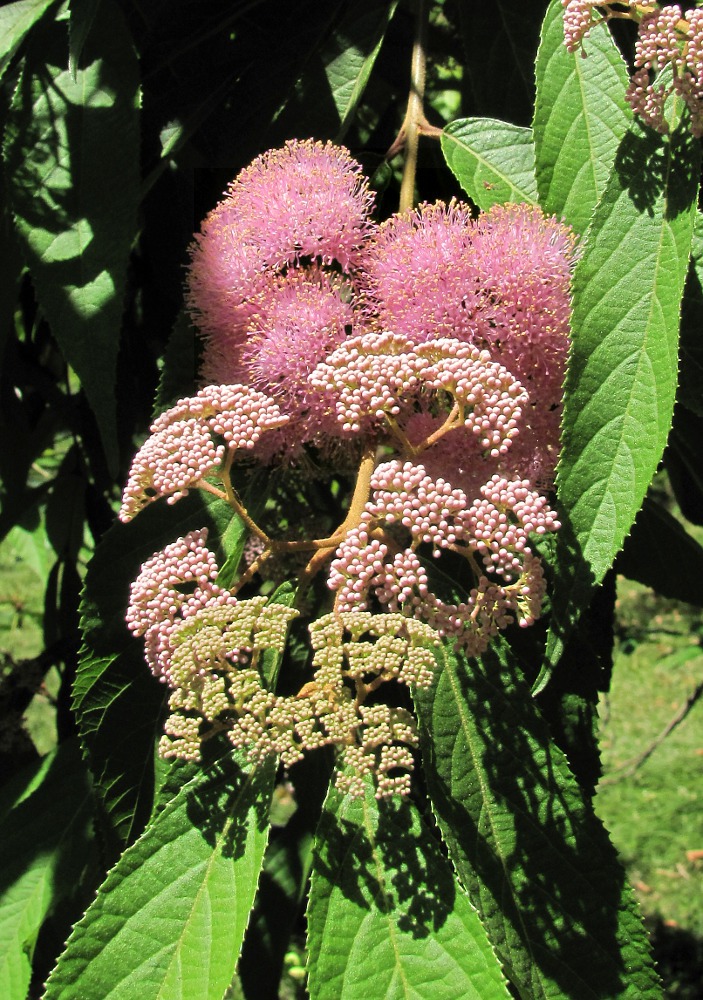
[(621, 381), (16, 19), (68, 144), (351, 53), (386, 917), (581, 116), (493, 161), (691, 354), (46, 841), (525, 841), (169, 919), (117, 702)]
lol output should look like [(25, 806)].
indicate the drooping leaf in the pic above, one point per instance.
[(662, 555), (493, 161), (16, 19), (46, 841), (67, 145), (581, 116), (386, 917), (117, 702), (336, 71), (357, 42), (621, 381), (170, 917), (524, 839)]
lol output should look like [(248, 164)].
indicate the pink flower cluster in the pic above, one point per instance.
[(378, 561), (433, 344), (667, 38), (184, 449), (289, 266)]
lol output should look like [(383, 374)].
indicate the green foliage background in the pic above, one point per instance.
[(122, 123)]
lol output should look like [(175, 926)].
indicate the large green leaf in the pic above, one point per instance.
[(117, 702), (46, 843), (169, 920), (72, 161), (536, 861), (621, 380), (493, 161), (386, 918), (16, 19), (581, 116)]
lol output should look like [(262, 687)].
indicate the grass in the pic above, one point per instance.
[(653, 809)]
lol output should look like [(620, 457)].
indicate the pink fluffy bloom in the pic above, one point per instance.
[(500, 283), (307, 200), (417, 277), (301, 320)]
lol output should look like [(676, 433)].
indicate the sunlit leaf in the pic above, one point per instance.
[(581, 116), (493, 161), (621, 380), (16, 19), (170, 917)]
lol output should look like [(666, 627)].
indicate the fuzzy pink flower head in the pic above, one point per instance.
[(418, 279), (305, 200), (524, 259), (301, 320)]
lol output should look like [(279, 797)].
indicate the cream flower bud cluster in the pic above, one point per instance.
[(184, 447), (206, 645), (362, 648), (378, 560)]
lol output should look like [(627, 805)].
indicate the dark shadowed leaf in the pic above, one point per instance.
[(386, 917)]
